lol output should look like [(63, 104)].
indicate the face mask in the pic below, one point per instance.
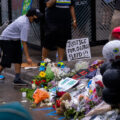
[(40, 16)]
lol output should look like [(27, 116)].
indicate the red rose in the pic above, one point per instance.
[(54, 106), (59, 94), (36, 82), (39, 82), (43, 80), (58, 103), (100, 83)]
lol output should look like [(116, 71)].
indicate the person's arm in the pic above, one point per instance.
[(29, 60), (72, 11), (50, 3)]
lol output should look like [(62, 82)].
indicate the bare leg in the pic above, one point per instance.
[(44, 53), (17, 68), (17, 71), (1, 68), (60, 53), (17, 80)]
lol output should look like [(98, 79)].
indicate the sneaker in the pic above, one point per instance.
[(2, 78), (20, 83)]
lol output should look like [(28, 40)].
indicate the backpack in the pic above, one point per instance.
[(14, 111)]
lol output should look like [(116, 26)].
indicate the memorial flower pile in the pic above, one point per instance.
[(72, 92)]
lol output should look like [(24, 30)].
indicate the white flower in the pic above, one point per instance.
[(46, 100), (42, 104), (56, 71), (81, 65), (47, 60), (33, 86), (68, 104), (49, 104)]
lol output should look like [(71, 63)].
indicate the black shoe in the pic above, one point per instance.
[(20, 83)]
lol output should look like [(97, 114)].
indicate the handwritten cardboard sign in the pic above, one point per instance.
[(78, 49)]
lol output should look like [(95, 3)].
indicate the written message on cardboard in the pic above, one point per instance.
[(78, 49)]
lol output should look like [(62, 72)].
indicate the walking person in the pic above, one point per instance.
[(10, 43), (58, 15)]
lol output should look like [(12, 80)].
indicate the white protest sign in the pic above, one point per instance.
[(67, 83), (78, 49)]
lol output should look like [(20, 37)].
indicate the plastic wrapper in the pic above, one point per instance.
[(99, 109), (81, 65), (40, 95)]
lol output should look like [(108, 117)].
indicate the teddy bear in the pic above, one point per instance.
[(61, 108)]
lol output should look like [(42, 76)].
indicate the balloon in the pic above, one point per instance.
[(111, 50), (111, 78), (116, 32), (111, 97), (118, 117), (111, 72), (104, 67)]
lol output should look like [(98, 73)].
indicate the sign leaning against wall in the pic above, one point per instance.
[(78, 49)]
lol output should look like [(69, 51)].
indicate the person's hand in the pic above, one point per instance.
[(29, 61), (50, 3), (74, 24)]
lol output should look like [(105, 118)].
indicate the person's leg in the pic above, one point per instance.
[(44, 53), (17, 60), (60, 53), (17, 71), (17, 68), (1, 76), (1, 69), (17, 80)]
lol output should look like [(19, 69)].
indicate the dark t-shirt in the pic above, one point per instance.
[(58, 24)]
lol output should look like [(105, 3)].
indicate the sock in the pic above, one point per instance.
[(17, 76)]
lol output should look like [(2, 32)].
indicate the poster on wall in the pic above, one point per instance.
[(25, 6), (78, 49)]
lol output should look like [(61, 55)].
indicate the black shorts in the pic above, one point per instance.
[(11, 52)]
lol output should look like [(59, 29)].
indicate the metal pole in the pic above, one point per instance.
[(10, 10), (0, 13), (93, 19), (42, 21)]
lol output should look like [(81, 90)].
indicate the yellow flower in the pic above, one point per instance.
[(45, 87), (90, 91), (42, 74)]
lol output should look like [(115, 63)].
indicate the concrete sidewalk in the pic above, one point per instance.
[(10, 93), (28, 75)]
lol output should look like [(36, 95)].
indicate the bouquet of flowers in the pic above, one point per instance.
[(40, 80)]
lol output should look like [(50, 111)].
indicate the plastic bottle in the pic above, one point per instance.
[(56, 56), (24, 99)]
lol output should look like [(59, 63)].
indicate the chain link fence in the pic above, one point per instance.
[(16, 5), (104, 12), (84, 12), (83, 15), (4, 11)]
